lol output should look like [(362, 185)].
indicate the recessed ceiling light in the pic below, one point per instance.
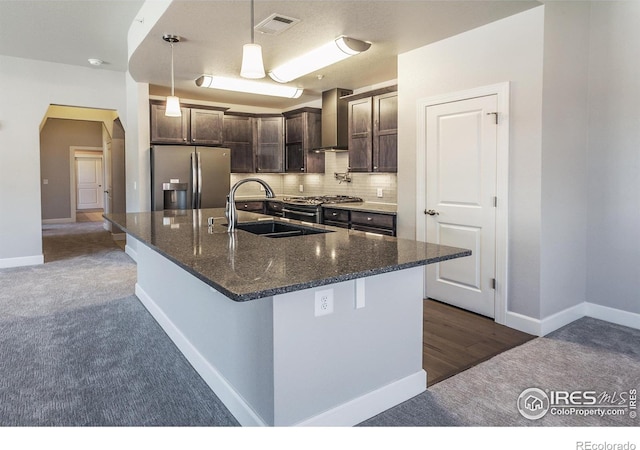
[(95, 61)]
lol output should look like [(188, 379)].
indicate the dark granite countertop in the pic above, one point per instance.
[(244, 266)]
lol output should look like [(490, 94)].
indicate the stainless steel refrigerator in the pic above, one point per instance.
[(189, 177)]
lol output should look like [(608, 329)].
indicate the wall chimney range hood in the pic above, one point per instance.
[(335, 121)]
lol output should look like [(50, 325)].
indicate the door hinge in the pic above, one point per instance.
[(495, 202), (493, 284), (495, 114)]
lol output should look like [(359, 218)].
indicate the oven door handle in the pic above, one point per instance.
[(298, 212)]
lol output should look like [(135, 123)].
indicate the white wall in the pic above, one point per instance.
[(137, 147), (27, 88), (563, 251), (613, 217), (507, 50)]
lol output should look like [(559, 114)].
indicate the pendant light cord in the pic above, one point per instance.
[(252, 21), (172, 80)]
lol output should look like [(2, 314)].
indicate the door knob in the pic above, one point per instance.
[(431, 212)]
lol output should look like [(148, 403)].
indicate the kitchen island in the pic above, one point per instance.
[(319, 329)]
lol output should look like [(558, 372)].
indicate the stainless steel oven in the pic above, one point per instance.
[(309, 209), (303, 212)]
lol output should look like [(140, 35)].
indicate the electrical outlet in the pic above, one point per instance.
[(324, 302), (301, 188), (379, 192)]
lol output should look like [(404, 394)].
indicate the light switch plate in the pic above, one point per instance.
[(379, 192)]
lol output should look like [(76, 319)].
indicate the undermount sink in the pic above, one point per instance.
[(279, 229)]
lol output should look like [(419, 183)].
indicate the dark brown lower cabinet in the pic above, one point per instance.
[(250, 206), (378, 223)]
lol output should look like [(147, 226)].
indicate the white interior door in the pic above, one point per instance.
[(461, 152), (108, 182), (89, 183)]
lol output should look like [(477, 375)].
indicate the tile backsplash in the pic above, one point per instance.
[(364, 185)]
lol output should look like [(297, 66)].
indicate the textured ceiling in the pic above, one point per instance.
[(214, 31), (68, 32)]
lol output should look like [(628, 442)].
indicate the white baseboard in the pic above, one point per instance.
[(62, 220), (218, 384), (617, 316), (20, 261), (371, 404), (523, 323), (542, 327), (131, 252)]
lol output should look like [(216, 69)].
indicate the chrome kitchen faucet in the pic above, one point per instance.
[(231, 212)]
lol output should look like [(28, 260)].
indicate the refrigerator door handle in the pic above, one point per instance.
[(194, 181), (199, 180)]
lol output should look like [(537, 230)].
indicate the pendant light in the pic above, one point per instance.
[(252, 65), (173, 102)]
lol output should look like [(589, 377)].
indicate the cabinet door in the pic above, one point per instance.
[(294, 143), (294, 158), (238, 136), (269, 144), (169, 130), (294, 126), (303, 133), (206, 127), (360, 139), (314, 162), (385, 132)]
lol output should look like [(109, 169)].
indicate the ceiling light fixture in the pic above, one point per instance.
[(95, 61), (330, 53), (252, 65), (248, 86), (173, 103)]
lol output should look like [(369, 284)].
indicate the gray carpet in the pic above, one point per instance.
[(77, 348)]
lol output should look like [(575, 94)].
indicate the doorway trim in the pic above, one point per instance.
[(501, 90), (72, 173)]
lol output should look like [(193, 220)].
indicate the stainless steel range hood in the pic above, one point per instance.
[(335, 121)]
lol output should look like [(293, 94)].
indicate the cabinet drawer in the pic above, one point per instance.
[(382, 231), (372, 219), (274, 206), (336, 224), (335, 215), (250, 206)]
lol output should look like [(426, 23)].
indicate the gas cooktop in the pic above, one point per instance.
[(322, 199)]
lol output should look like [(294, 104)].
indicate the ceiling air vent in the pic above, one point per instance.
[(276, 24)]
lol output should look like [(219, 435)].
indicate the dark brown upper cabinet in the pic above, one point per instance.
[(269, 143), (197, 125), (360, 137), (373, 132), (238, 136), (303, 133), (169, 130), (385, 132), (207, 126)]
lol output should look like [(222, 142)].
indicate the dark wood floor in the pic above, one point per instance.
[(455, 340)]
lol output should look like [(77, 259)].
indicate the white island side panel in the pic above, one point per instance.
[(347, 366)]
